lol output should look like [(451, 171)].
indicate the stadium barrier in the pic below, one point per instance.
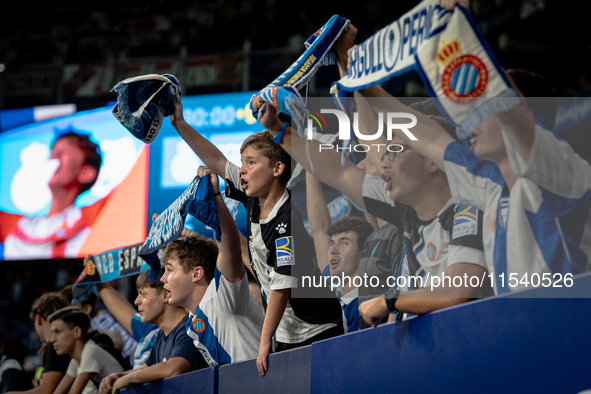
[(513, 343)]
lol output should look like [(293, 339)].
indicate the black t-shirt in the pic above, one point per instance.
[(101, 339), (54, 363), (380, 257), (14, 380)]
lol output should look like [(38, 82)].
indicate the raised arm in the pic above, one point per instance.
[(245, 256), (205, 150), (229, 261), (319, 219), (325, 164), (519, 127), (115, 303), (431, 139)]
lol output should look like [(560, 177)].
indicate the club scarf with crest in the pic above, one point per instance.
[(106, 266), (451, 56)]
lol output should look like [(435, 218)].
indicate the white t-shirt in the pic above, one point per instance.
[(95, 361), (58, 235), (227, 325), (543, 225)]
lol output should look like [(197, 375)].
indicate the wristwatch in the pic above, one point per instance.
[(391, 300), (391, 297)]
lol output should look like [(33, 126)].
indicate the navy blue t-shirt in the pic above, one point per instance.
[(176, 344)]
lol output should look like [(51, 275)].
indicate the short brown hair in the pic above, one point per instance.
[(142, 282), (47, 304), (263, 141), (192, 252), (356, 224)]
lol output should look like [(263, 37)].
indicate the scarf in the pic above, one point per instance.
[(449, 53), (197, 200), (319, 53), (142, 103)]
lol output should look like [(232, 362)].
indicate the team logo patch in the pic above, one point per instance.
[(284, 247), (431, 252), (90, 268), (493, 222), (465, 221), (281, 228), (198, 324), (464, 77)]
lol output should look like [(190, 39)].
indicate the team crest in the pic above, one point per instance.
[(90, 268), (284, 247), (464, 77), (198, 324), (465, 221), (431, 251), (281, 228)]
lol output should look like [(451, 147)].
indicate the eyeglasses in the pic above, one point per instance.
[(392, 155)]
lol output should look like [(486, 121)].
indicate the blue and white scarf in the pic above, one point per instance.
[(106, 266), (450, 54), (143, 102), (197, 200), (319, 53), (126, 261)]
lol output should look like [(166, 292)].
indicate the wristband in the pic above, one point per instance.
[(279, 136), (215, 194), (390, 305), (390, 302)]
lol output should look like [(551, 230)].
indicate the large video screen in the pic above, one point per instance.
[(58, 201)]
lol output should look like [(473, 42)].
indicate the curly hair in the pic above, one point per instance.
[(263, 141), (47, 304), (192, 252), (356, 224)]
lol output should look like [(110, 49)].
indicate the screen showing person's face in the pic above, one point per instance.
[(72, 161)]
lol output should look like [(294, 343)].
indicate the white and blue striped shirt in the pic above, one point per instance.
[(226, 326), (544, 224)]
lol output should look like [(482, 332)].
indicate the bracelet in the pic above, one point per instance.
[(218, 193), (277, 138)]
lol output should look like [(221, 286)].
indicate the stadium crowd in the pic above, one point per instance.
[(515, 200)]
